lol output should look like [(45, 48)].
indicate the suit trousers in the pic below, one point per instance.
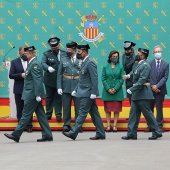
[(19, 106), (88, 105), (67, 100), (53, 100), (31, 106), (158, 101), (137, 107)]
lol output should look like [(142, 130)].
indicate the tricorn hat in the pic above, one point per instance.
[(53, 41), (83, 47), (31, 48), (144, 51), (128, 45), (71, 45)]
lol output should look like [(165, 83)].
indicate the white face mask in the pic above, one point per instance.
[(158, 55)]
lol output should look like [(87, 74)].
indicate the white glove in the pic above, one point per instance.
[(73, 93), (92, 96), (128, 91), (60, 91), (50, 69), (38, 98), (126, 76)]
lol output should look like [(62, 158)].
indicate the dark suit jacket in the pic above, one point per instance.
[(161, 79), (16, 70)]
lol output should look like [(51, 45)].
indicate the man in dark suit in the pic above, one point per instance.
[(141, 97), (87, 91), (50, 63), (67, 80), (159, 77), (17, 72), (32, 96)]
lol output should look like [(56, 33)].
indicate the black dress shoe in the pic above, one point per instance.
[(66, 130), (97, 138), (59, 118), (10, 136), (68, 135), (81, 130), (44, 139), (129, 137), (155, 137), (29, 130)]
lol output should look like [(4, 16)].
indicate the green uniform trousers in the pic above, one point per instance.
[(67, 100), (31, 106), (88, 105), (137, 107), (53, 100)]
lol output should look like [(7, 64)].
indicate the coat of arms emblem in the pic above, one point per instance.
[(91, 28)]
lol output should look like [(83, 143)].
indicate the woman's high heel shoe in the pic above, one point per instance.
[(114, 129), (108, 129)]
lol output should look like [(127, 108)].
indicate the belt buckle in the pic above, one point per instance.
[(72, 77)]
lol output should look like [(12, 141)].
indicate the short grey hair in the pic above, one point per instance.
[(157, 46), (20, 48)]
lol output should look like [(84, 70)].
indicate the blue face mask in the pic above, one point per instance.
[(158, 55), (114, 60)]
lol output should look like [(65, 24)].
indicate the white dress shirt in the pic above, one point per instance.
[(24, 64)]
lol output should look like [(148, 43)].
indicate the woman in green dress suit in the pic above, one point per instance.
[(112, 93)]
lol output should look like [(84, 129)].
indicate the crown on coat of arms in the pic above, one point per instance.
[(91, 17)]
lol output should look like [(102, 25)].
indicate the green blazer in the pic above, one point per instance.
[(51, 59), (33, 82), (141, 75), (112, 79), (70, 69)]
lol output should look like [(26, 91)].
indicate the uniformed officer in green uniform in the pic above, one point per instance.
[(128, 60), (67, 80), (32, 95), (141, 96), (87, 91), (50, 62)]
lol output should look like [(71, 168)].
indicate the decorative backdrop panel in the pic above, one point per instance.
[(105, 25)]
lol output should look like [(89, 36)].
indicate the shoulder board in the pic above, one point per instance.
[(47, 51)]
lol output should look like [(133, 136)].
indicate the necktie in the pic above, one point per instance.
[(158, 67)]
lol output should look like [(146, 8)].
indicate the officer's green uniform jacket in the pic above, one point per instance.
[(141, 80), (112, 79), (33, 82), (128, 64), (68, 68), (88, 83), (51, 59)]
